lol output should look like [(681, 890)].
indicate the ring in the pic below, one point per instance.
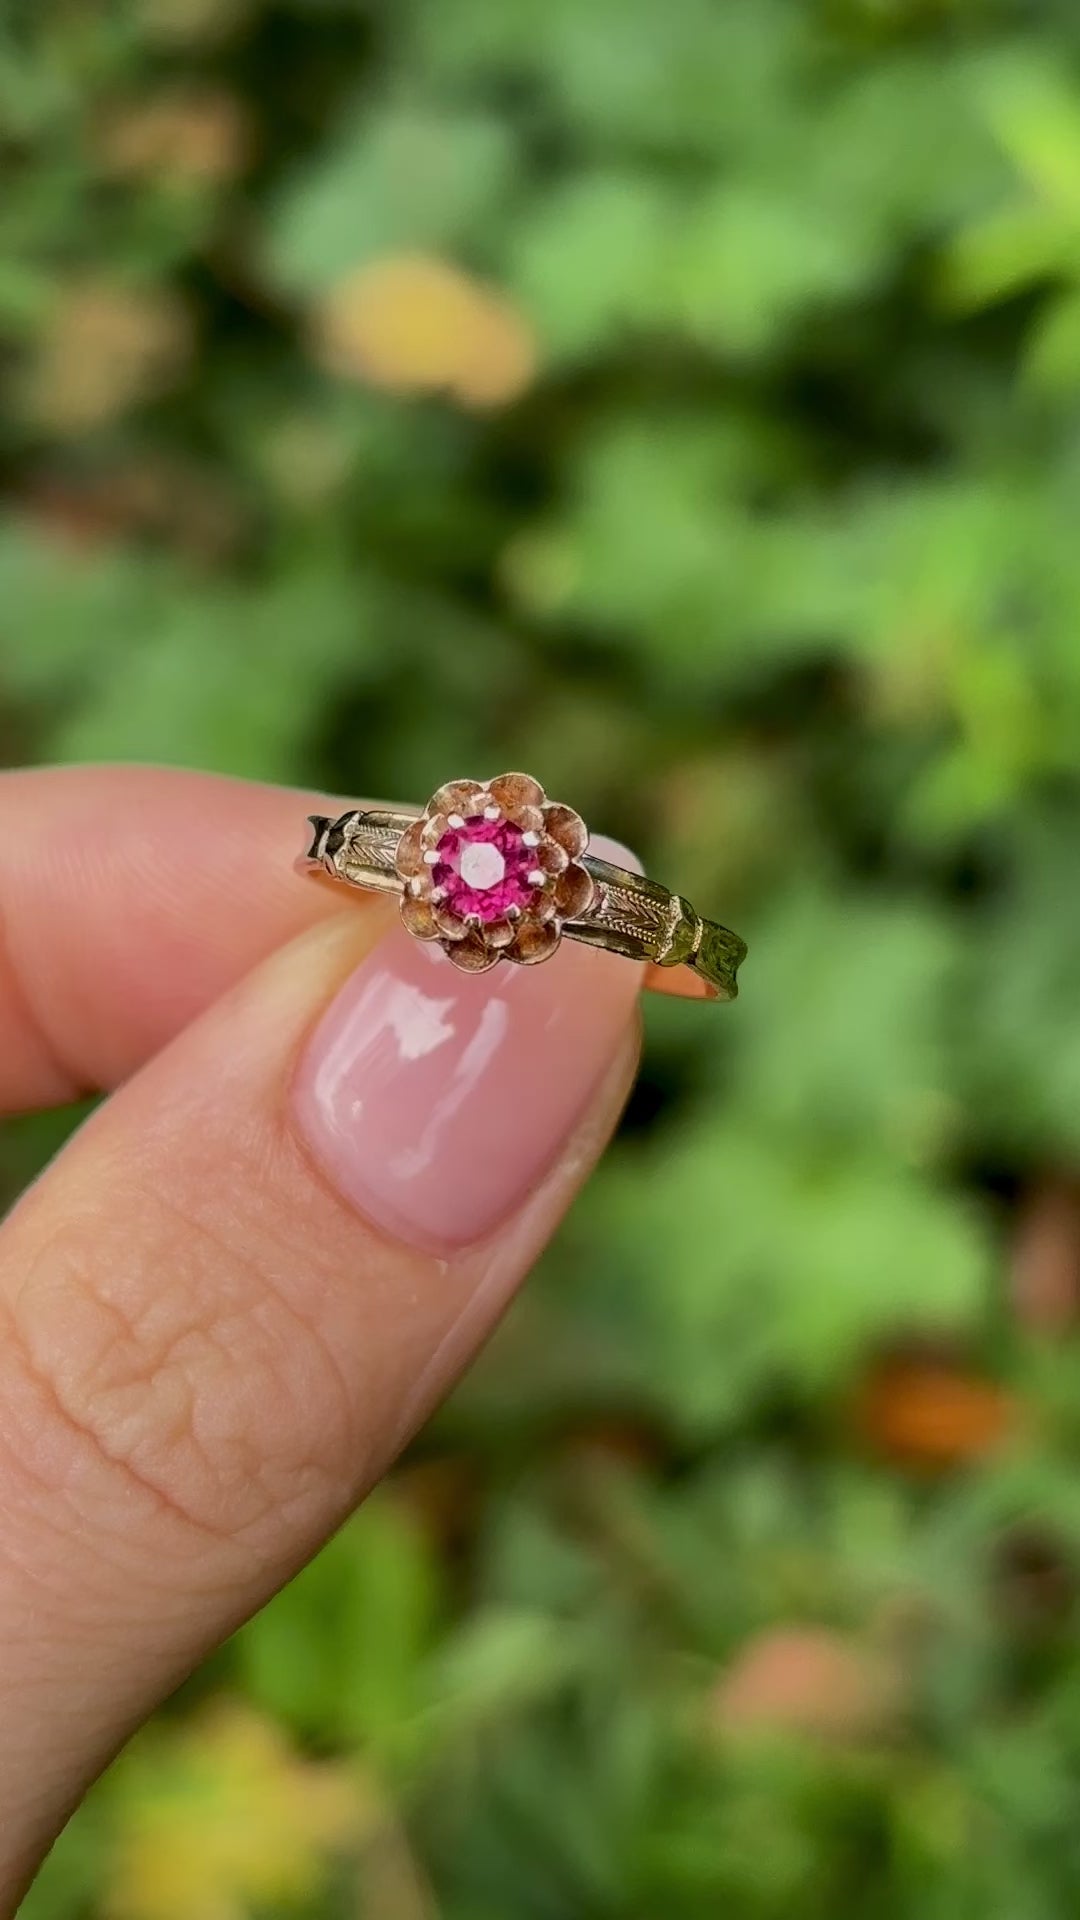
[(494, 870)]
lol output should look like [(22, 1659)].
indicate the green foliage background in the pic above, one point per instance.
[(773, 566)]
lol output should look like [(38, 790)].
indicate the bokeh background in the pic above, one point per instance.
[(682, 401)]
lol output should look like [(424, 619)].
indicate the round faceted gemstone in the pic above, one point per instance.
[(483, 868)]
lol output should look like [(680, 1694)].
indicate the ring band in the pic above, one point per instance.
[(493, 870)]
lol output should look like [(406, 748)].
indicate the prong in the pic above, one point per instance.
[(530, 839), (472, 920), (537, 878), (437, 895), (494, 812), (431, 857), (455, 820), (513, 913)]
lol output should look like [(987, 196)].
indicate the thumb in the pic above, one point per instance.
[(240, 1288)]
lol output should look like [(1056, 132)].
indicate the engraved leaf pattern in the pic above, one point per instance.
[(631, 913)]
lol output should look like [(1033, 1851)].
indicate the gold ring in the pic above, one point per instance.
[(494, 870)]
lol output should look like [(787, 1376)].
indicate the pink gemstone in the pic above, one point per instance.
[(483, 868)]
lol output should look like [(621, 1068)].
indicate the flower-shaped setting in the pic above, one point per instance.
[(492, 870)]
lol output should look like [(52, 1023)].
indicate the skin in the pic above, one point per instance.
[(206, 1355)]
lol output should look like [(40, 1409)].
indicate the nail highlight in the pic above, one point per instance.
[(436, 1102)]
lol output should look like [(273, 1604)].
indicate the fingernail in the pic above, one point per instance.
[(435, 1101)]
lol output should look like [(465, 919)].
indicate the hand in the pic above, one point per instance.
[(327, 1162)]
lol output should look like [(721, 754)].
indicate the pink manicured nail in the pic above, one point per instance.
[(435, 1101)]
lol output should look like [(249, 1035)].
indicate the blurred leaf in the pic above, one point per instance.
[(225, 680), (689, 78), (500, 1663), (1036, 116), (341, 1650), (803, 1680), (65, 616), (590, 262), (751, 260), (845, 1030), (417, 325), (788, 1263), (103, 349), (191, 138), (1053, 352), (396, 180), (220, 1816), (1003, 253), (1021, 1033), (931, 1415)]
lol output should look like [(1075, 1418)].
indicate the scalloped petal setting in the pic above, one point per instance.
[(492, 869)]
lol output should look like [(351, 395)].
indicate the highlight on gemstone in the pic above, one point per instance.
[(483, 868), (493, 870)]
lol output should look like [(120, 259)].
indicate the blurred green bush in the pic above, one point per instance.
[(682, 401)]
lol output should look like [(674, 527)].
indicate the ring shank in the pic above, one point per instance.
[(638, 917), (631, 914)]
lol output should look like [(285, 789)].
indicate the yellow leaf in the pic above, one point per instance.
[(416, 324), (222, 1815)]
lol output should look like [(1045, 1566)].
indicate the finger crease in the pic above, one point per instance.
[(88, 1436)]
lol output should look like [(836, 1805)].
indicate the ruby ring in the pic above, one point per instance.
[(493, 870)]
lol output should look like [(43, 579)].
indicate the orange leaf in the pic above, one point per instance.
[(932, 1413)]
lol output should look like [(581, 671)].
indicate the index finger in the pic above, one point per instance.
[(131, 898)]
